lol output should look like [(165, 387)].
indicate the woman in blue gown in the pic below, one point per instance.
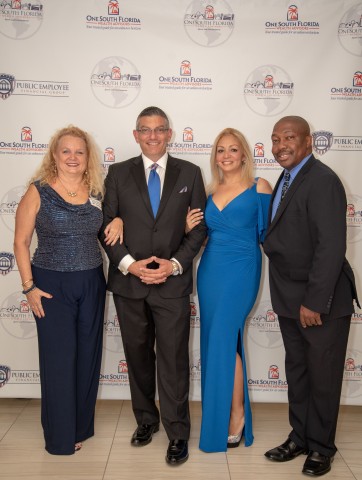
[(228, 282)]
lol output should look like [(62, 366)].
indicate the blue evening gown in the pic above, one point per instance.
[(228, 281)]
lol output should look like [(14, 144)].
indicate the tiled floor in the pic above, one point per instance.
[(109, 455)]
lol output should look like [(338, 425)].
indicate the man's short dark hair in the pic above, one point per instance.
[(150, 112)]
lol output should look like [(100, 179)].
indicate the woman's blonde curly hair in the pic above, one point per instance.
[(47, 172)]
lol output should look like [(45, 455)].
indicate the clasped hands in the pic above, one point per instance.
[(149, 275), (308, 318)]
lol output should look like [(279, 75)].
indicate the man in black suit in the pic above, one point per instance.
[(150, 275), (312, 291)]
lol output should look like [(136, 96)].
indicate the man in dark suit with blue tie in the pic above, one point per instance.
[(150, 275), (312, 290)]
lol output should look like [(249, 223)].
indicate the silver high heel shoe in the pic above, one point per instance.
[(234, 440)]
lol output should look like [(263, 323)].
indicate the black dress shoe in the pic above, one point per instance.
[(177, 452), (317, 464), (143, 434), (285, 452)]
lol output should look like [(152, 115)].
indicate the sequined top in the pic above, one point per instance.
[(67, 234)]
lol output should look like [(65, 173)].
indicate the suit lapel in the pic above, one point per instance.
[(297, 182), (138, 172), (273, 196), (171, 175)]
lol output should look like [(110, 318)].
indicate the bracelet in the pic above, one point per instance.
[(33, 287), (28, 281)]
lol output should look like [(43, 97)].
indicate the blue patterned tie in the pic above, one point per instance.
[(285, 185), (154, 188)]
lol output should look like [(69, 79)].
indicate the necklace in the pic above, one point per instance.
[(69, 192)]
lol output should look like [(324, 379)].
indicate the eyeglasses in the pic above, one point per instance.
[(157, 131)]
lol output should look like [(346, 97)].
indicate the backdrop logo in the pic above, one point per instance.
[(16, 317), (185, 68), (262, 326), (194, 316), (107, 17), (353, 92), (293, 25), (350, 30), (26, 134), (273, 372), (109, 155), (268, 90), (5, 373), (189, 145), (259, 150), (115, 82), (271, 382), (7, 85), (25, 377), (122, 366), (188, 134), (8, 206), (195, 367), (7, 262), (209, 23), (184, 81), (324, 141), (261, 162), (292, 13), (352, 375), (31, 88), (26, 145), (354, 218), (113, 8), (20, 20), (117, 378), (112, 333), (357, 318)]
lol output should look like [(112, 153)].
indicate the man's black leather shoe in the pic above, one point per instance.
[(285, 452), (317, 464), (143, 434), (177, 452)]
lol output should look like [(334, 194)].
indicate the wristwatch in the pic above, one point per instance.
[(175, 268)]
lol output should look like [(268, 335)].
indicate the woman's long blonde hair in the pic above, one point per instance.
[(47, 172), (247, 169)]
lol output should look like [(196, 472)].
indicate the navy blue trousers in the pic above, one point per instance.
[(70, 350)]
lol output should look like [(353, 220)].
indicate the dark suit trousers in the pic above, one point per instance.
[(166, 321), (314, 365)]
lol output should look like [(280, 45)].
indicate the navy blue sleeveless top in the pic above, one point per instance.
[(67, 234)]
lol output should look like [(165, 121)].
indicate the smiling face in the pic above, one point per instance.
[(152, 134), (229, 154), (291, 141), (71, 156)]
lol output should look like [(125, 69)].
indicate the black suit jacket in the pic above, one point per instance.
[(164, 236), (306, 245)]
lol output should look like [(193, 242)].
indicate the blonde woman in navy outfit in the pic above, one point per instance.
[(64, 283)]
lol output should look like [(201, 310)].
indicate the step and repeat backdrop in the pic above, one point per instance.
[(210, 65)]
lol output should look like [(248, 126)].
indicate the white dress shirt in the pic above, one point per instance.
[(161, 170)]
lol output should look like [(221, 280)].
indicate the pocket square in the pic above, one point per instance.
[(183, 190)]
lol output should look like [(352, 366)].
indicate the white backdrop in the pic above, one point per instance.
[(209, 65)]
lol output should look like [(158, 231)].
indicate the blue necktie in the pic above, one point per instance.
[(154, 188)]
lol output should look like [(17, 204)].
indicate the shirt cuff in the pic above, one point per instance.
[(125, 263), (180, 269)]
